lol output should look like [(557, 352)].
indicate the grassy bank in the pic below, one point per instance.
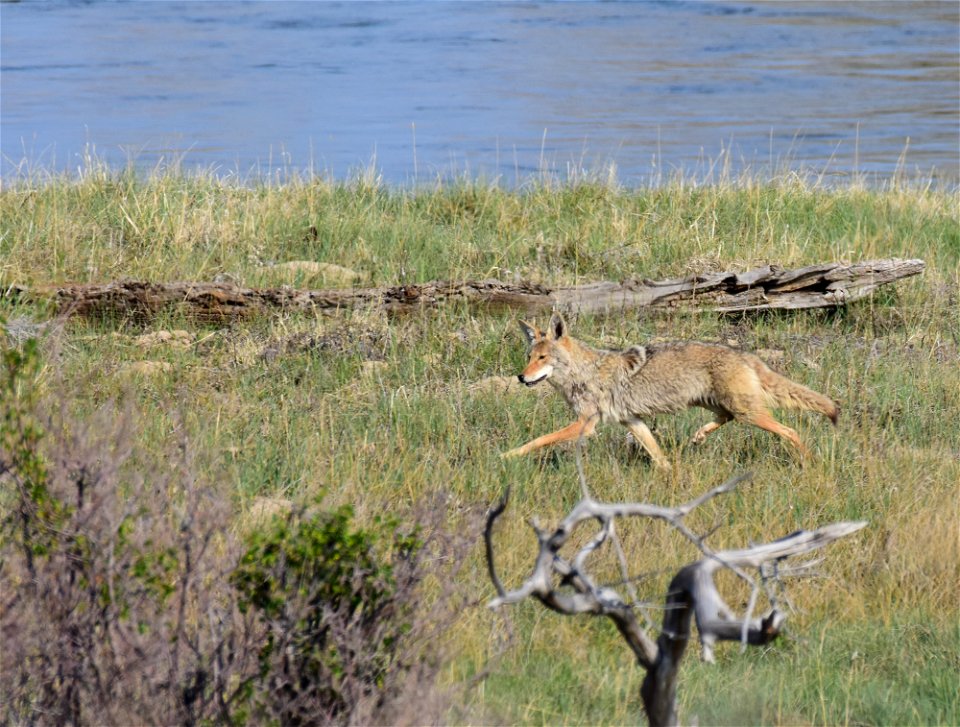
[(378, 412)]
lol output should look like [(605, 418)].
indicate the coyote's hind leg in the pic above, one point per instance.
[(765, 420)]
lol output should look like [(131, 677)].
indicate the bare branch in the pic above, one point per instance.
[(728, 486), (605, 531), (568, 588), (748, 617), (627, 580), (715, 620), (492, 514), (802, 541), (584, 490)]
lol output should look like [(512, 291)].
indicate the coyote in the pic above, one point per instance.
[(630, 385)]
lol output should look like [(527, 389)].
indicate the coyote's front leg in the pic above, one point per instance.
[(644, 437), (584, 427)]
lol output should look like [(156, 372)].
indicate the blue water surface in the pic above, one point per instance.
[(420, 90)]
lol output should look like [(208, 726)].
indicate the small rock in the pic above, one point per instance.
[(264, 508), (146, 368), (20, 329), (175, 339), (372, 368), (330, 273)]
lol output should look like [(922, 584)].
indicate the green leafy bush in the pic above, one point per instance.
[(329, 597), (34, 522)]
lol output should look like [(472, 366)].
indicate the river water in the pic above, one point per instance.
[(421, 90)]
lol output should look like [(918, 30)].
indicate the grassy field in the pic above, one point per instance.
[(380, 412)]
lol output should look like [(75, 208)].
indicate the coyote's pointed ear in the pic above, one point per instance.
[(558, 326), (529, 332), (635, 357)]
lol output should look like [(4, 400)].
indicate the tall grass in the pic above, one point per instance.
[(378, 411), (174, 226)]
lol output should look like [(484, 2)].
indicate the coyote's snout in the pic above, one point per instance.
[(630, 385), (536, 376)]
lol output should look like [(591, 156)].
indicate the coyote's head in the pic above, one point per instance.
[(547, 350)]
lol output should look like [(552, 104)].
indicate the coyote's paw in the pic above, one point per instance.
[(700, 436), (517, 452)]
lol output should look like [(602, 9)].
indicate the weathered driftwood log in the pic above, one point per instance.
[(770, 287), (564, 585)]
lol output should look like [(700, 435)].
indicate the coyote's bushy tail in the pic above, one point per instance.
[(791, 395)]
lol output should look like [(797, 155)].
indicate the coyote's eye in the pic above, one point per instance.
[(542, 356)]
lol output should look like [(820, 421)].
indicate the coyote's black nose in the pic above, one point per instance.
[(520, 378)]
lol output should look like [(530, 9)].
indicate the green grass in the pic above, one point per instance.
[(170, 227), (834, 675), (876, 637)]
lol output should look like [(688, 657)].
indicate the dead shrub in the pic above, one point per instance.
[(126, 599)]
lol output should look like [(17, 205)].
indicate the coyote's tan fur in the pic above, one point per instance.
[(629, 386)]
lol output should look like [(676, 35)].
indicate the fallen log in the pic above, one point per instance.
[(770, 287)]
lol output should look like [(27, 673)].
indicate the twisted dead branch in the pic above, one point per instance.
[(564, 585)]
